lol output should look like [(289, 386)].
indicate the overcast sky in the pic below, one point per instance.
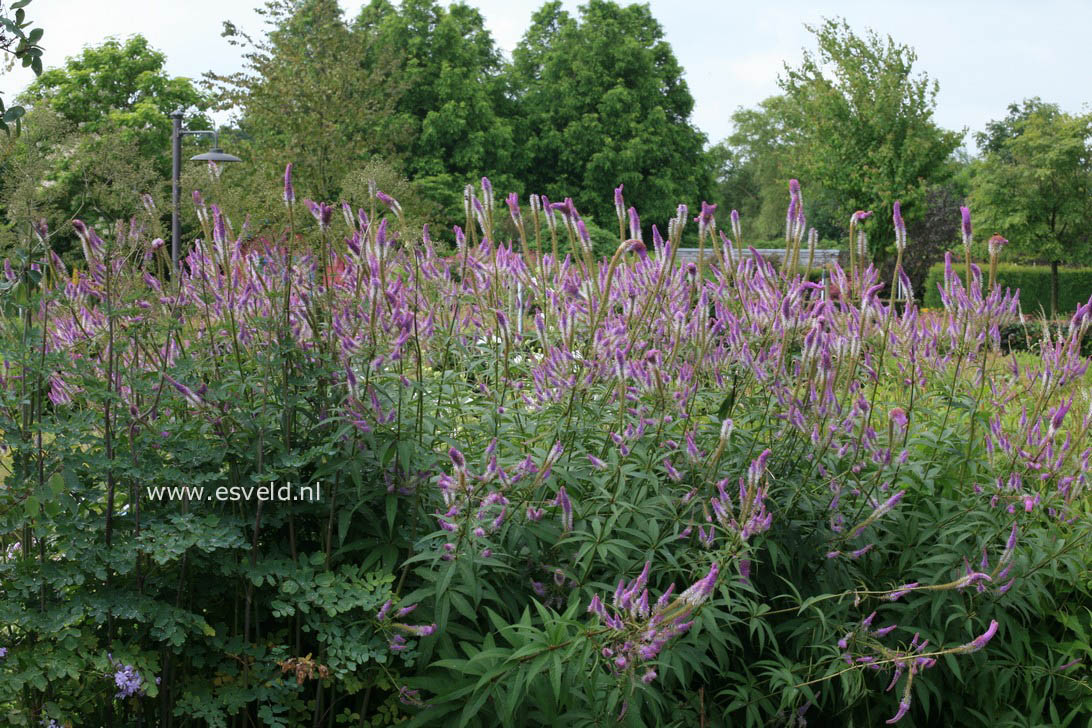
[(984, 54)]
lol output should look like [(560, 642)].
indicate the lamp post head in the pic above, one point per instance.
[(216, 154)]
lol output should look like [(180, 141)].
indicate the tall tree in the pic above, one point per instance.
[(1034, 185), (313, 93), (603, 103), (755, 164), (866, 122), (455, 100), (121, 86), (105, 136)]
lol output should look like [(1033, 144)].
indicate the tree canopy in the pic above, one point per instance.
[(865, 121), (1034, 185), (121, 86), (603, 103)]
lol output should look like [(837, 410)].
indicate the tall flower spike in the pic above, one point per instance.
[(487, 193), (513, 209), (619, 205), (900, 226), (634, 224), (390, 202), (965, 215), (996, 243), (289, 190), (566, 509), (322, 213)]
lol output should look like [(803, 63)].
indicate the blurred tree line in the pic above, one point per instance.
[(416, 96)]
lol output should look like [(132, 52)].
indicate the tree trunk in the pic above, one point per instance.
[(1054, 289)]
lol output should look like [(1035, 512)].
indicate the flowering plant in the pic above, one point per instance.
[(523, 448)]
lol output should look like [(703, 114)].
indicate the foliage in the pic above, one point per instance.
[(754, 165), (932, 233), (455, 97), (314, 93), (105, 135), (1046, 155), (864, 123), (1033, 282), (24, 47), (502, 442), (603, 102), (121, 87), (56, 171)]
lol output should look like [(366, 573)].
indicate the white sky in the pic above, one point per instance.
[(984, 54)]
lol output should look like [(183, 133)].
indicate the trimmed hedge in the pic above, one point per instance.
[(1074, 286), (1029, 336)]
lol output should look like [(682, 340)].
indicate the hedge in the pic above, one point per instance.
[(1033, 281)]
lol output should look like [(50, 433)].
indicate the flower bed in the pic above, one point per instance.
[(553, 488)]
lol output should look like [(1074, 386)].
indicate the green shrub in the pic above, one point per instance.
[(1033, 282)]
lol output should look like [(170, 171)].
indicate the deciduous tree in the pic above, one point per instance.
[(1034, 185), (603, 103), (866, 122)]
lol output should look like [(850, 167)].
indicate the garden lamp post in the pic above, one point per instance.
[(216, 154)]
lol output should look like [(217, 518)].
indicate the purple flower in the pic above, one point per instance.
[(390, 202), (982, 640), (700, 590), (902, 591), (457, 460), (188, 394), (996, 243), (383, 610), (619, 204), (965, 215), (900, 226), (904, 707), (289, 190), (127, 679), (566, 509), (322, 213)]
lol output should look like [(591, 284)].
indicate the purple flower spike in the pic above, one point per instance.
[(322, 213), (619, 204), (390, 202), (289, 190), (900, 226), (996, 243), (634, 225), (566, 509), (904, 707), (513, 209), (982, 640), (457, 460), (965, 215)]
